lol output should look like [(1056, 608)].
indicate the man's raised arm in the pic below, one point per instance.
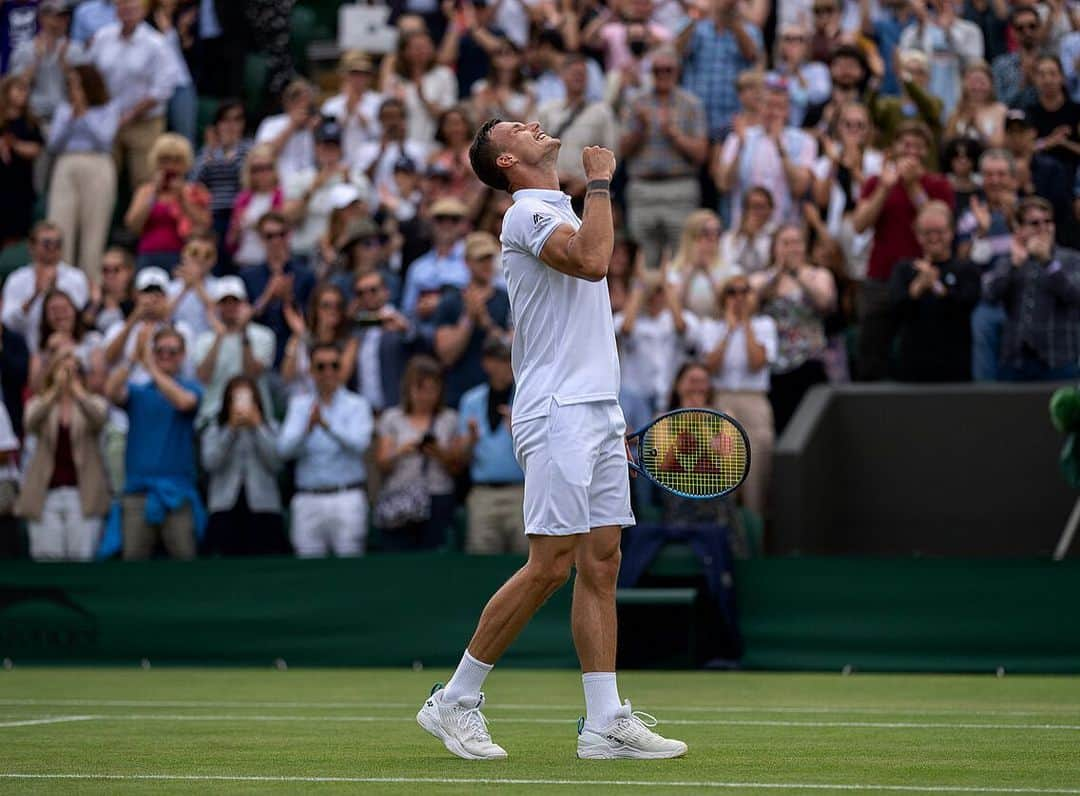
[(586, 252)]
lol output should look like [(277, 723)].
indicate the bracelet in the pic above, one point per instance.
[(598, 185)]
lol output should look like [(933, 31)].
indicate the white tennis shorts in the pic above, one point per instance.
[(576, 474)]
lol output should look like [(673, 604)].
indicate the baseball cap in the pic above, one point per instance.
[(344, 194), (480, 244), (328, 132), (152, 278), (230, 286), (356, 61), (1016, 116), (449, 206), (405, 163), (361, 229)]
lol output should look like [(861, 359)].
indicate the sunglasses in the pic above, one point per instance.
[(1038, 223), (49, 243), (447, 219), (793, 38), (371, 290), (736, 291), (321, 367), (200, 254), (168, 351), (276, 235), (1025, 28), (257, 168), (854, 125), (824, 10), (663, 70), (370, 243)]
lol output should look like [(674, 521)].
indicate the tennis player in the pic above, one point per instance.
[(568, 435)]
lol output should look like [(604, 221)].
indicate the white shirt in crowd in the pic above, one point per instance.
[(313, 225), (135, 68), (250, 249), (138, 374), (191, 310), (299, 151), (653, 352), (362, 125), (230, 362), (19, 287), (734, 373), (760, 165), (564, 338), (856, 245), (383, 175), (440, 89)]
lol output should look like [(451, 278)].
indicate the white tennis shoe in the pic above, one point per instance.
[(629, 736), (461, 727)]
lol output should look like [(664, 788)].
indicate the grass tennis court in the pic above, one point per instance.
[(95, 730)]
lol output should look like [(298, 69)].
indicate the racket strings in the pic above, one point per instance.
[(695, 453)]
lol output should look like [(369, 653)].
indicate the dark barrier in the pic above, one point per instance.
[(954, 470), (914, 615)]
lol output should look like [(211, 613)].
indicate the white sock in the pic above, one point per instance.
[(467, 680), (601, 699)]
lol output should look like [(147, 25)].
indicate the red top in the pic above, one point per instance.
[(167, 227), (894, 232), (63, 462)]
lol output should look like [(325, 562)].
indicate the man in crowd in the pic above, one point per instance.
[(468, 316), (1039, 174), (443, 265), (356, 108), (377, 158), (328, 434), (772, 155), (151, 313), (496, 524), (1039, 285), (90, 17), (949, 41), (1014, 73), (290, 134), (43, 60), (664, 144), (889, 205), (25, 288), (578, 123), (233, 346), (386, 342), (161, 500), (933, 296), (278, 282)]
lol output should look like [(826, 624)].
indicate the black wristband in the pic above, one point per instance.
[(597, 185)]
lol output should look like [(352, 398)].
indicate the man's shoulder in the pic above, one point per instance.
[(1068, 257), (689, 99), (474, 400)]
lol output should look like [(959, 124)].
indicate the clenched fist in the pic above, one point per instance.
[(599, 163)]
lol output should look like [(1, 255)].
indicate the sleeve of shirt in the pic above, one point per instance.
[(263, 345), (354, 431), (528, 225), (22, 57), (202, 346), (768, 337), (696, 124), (294, 429), (968, 39), (868, 188), (730, 149), (268, 130), (163, 81), (759, 42)]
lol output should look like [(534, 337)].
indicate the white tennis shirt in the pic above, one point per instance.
[(564, 337)]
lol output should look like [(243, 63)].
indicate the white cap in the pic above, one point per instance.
[(152, 277), (228, 286), (343, 195)]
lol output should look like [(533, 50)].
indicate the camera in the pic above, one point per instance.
[(366, 318)]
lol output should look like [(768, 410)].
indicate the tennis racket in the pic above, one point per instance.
[(692, 453)]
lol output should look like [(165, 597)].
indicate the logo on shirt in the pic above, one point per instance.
[(538, 219)]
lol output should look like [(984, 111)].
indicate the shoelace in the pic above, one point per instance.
[(475, 723), (636, 726)]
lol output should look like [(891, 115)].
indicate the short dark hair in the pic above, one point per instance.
[(916, 128), (1029, 203), (482, 155), (169, 331), (1016, 12), (393, 102), (271, 218), (225, 106)]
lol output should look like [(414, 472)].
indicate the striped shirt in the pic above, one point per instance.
[(221, 173), (713, 60)]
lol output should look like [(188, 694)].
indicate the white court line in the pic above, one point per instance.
[(50, 720), (513, 781), (881, 725), (823, 710)]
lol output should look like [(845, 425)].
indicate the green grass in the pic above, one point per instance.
[(865, 732)]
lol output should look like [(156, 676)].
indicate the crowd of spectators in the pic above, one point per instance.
[(283, 327)]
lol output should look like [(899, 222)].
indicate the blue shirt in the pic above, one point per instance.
[(887, 31), (161, 438), (256, 278), (433, 272), (209, 25), (330, 456), (94, 131), (468, 371), (493, 459), (90, 17), (712, 61)]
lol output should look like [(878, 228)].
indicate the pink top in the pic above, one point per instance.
[(161, 233)]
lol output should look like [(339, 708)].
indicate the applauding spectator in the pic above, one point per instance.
[(161, 501), (328, 433), (384, 341), (378, 158), (418, 80), (443, 265), (327, 324), (151, 314), (113, 299), (191, 292), (239, 453), (289, 134), (356, 108), (1039, 284), (698, 267), (221, 164), (20, 143), (261, 194), (748, 246), (65, 493), (63, 333), (44, 60)]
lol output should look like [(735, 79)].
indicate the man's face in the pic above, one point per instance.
[(447, 229), (370, 292), (575, 77), (47, 247), (911, 146), (392, 119), (776, 107), (482, 268), (130, 12), (328, 154), (153, 303), (1020, 139), (1035, 223), (115, 272), (275, 238), (54, 24), (169, 353), (665, 73), (847, 73), (202, 254), (524, 143), (324, 369), (997, 178), (825, 14), (230, 309), (935, 236), (1048, 78), (1026, 26)]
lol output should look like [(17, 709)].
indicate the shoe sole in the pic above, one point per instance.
[(431, 724), (607, 753)]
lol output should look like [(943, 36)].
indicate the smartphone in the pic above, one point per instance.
[(365, 318)]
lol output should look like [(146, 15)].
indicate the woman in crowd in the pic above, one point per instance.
[(426, 88), (798, 296), (455, 135), (326, 323), (961, 156), (503, 93), (83, 188), (738, 350), (363, 251), (20, 144), (239, 454), (113, 298), (261, 193), (416, 444), (168, 210), (65, 494), (177, 25), (747, 247), (978, 115), (697, 267), (839, 176), (221, 167), (63, 332)]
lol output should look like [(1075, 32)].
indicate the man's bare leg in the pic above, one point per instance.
[(594, 622)]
